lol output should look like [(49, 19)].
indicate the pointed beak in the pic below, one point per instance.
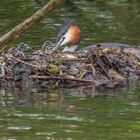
[(63, 41), (57, 45)]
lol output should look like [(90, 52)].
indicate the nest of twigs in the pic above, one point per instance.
[(98, 66)]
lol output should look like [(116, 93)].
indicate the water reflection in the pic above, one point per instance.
[(59, 115), (58, 97)]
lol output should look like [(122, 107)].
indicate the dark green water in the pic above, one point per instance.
[(73, 114)]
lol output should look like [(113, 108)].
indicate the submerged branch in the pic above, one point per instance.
[(6, 39)]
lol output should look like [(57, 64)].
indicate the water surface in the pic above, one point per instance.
[(80, 113)]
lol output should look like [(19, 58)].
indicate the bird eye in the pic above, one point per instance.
[(63, 38)]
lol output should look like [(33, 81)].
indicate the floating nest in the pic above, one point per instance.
[(101, 67)]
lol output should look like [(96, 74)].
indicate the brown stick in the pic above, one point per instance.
[(57, 78), (19, 29), (61, 78), (24, 62), (21, 61)]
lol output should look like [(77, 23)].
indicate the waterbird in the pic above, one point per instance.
[(70, 35), (19, 50)]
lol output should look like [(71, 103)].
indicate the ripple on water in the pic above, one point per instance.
[(28, 115), (45, 133), (68, 118), (10, 139), (134, 103), (33, 116), (18, 128)]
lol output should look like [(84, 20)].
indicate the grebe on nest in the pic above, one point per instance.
[(69, 35)]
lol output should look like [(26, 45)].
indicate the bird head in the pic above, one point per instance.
[(68, 35)]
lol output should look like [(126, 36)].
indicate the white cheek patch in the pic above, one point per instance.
[(66, 38)]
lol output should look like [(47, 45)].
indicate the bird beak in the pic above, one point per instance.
[(57, 45), (63, 41)]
